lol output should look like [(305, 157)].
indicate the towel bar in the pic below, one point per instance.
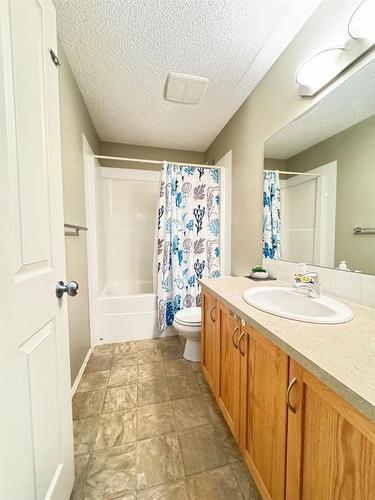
[(364, 230), (76, 228)]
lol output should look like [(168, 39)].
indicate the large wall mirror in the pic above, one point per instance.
[(319, 181)]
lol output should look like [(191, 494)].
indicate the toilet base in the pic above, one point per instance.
[(192, 350)]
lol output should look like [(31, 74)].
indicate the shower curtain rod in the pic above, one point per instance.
[(159, 162), (293, 173)]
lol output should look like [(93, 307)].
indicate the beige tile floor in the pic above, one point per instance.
[(147, 427)]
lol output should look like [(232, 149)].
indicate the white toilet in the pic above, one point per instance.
[(188, 324)]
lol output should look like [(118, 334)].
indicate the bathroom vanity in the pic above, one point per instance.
[(298, 397)]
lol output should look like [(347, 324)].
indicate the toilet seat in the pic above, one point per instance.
[(189, 316)]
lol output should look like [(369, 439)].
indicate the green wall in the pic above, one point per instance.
[(75, 121), (146, 153)]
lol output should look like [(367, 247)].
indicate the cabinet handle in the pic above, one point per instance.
[(290, 387), (233, 334), (212, 319), (239, 344)]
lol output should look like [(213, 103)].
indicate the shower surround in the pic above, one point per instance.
[(121, 216)]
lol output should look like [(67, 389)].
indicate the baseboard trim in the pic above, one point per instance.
[(81, 370)]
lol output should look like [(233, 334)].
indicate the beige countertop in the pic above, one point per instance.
[(342, 356)]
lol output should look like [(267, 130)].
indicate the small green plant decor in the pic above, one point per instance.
[(258, 269)]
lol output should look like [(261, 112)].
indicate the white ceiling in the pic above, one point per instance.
[(121, 52), (348, 104)]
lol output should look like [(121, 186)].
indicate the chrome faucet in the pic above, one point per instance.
[(308, 281)]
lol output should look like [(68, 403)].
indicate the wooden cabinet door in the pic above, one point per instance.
[(264, 378), (331, 446), (228, 388), (209, 339)]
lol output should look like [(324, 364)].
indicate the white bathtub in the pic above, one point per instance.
[(125, 314), (118, 288)]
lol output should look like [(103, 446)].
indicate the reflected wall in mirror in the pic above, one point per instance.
[(319, 181)]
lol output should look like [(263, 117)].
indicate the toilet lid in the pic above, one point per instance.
[(190, 315)]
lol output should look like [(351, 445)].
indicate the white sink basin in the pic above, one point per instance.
[(288, 303)]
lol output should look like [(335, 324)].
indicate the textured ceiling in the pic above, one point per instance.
[(348, 104), (121, 52)]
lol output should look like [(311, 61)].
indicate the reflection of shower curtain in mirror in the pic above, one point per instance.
[(188, 236), (271, 216)]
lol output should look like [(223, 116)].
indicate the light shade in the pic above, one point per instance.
[(362, 22), (320, 68)]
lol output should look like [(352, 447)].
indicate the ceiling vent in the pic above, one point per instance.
[(185, 89)]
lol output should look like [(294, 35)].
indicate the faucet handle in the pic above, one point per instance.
[(309, 277)]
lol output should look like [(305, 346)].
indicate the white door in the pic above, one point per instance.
[(36, 446)]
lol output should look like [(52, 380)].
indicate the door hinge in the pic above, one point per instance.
[(54, 58)]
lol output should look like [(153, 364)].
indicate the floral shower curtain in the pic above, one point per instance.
[(271, 216), (188, 236)]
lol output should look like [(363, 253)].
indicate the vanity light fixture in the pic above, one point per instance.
[(323, 68), (361, 22), (319, 69)]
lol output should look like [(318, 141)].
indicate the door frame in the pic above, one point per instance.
[(225, 166)]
